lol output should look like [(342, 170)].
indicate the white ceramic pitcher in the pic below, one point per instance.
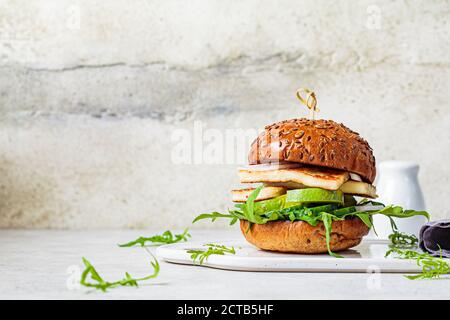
[(397, 183)]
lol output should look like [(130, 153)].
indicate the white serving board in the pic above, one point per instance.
[(366, 257)]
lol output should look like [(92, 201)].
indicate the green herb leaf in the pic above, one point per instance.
[(398, 212), (245, 211), (327, 220), (202, 255), (248, 209), (213, 216), (92, 279), (402, 240), (432, 267), (366, 218), (166, 238)]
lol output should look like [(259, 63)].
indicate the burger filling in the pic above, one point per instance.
[(314, 195), (303, 177)]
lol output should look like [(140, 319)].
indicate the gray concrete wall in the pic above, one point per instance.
[(91, 93)]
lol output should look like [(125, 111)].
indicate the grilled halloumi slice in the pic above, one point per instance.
[(265, 193), (359, 188), (304, 177)]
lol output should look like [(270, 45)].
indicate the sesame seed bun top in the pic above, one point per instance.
[(314, 142)]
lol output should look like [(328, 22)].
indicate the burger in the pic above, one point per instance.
[(310, 189)]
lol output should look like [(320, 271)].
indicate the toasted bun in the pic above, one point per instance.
[(315, 142), (301, 237)]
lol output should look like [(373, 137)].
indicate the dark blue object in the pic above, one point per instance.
[(434, 238)]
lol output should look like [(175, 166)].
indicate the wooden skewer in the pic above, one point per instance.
[(309, 100)]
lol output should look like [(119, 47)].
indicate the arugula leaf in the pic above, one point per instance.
[(366, 218), (250, 203), (398, 212), (202, 255), (166, 238), (432, 267), (327, 220), (213, 216), (403, 240), (248, 209), (99, 283)]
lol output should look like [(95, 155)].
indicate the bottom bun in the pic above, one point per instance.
[(301, 237)]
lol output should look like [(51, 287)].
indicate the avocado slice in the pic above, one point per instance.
[(314, 195)]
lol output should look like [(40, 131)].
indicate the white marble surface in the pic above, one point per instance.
[(34, 265)]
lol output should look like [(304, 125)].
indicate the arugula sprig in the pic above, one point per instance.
[(234, 216), (202, 255), (327, 220), (166, 238), (432, 267), (92, 279), (402, 240)]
